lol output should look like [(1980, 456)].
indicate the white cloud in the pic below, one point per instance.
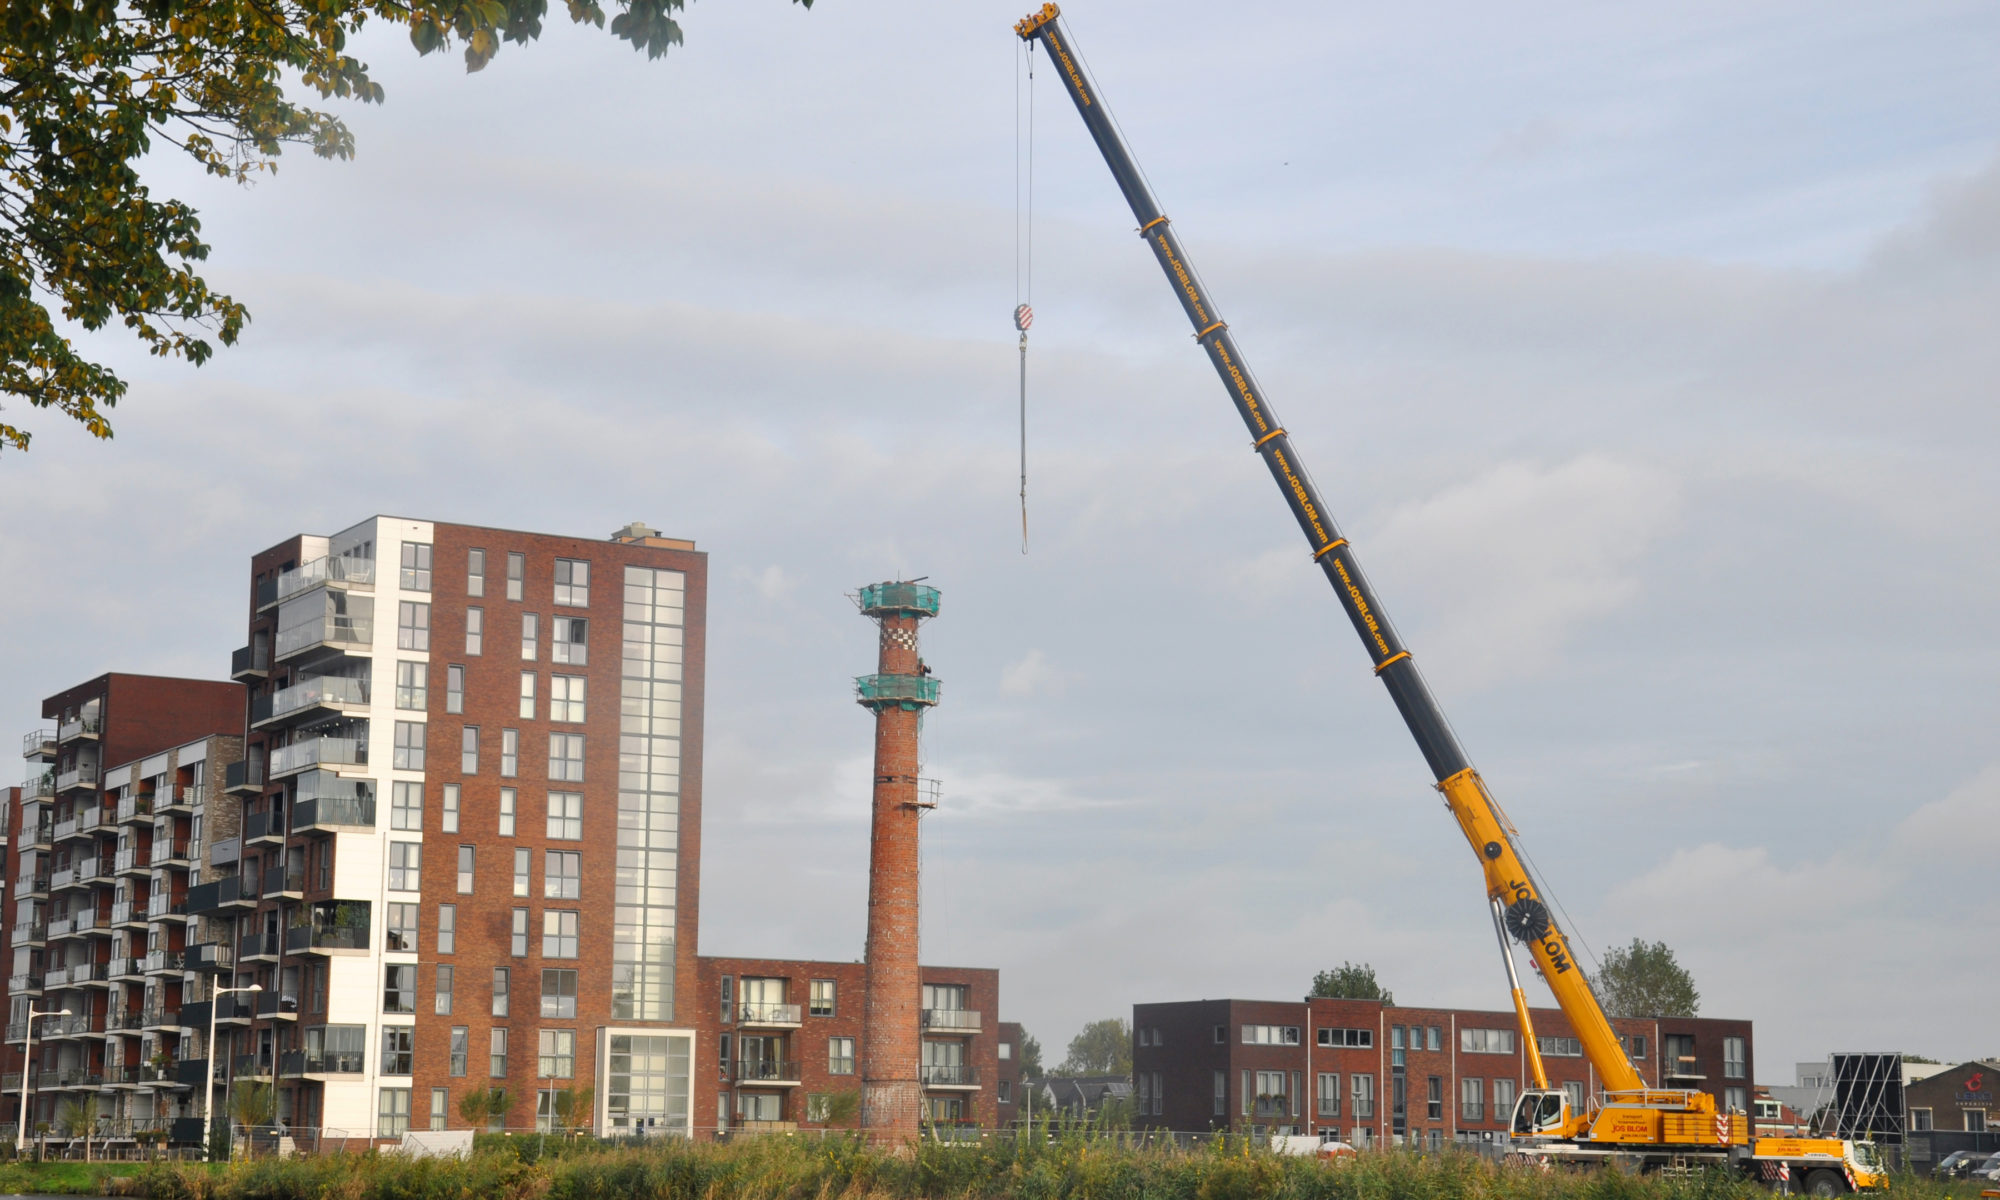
[(1031, 675)]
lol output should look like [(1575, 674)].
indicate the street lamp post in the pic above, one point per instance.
[(208, 1083), (27, 1073)]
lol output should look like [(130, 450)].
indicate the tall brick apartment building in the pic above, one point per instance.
[(1376, 1074)]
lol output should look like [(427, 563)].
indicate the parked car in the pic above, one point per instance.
[(1959, 1164), (1990, 1169)]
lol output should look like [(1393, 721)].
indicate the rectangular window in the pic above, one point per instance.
[(1270, 1035), (1920, 1118), (409, 746), (820, 1003), (507, 800), (531, 636), (1433, 1041), (1361, 1038), (465, 865), (1560, 1047), (1486, 1041), (840, 1056), (399, 988), (450, 814), (566, 816), (475, 630), (1221, 1088), (1575, 1090), (416, 576), (1639, 1047), (412, 679), (1362, 1089), (510, 753), (1735, 1057), (1735, 1099), (526, 711), (475, 572), (1329, 1094), (1676, 1056), (438, 1102), (566, 697), (572, 583), (558, 994), (501, 979), (461, 1049), (559, 933), (562, 875), (406, 806), (454, 688), (496, 1055), (557, 1054), (569, 639), (519, 945), (1503, 1099), (1975, 1120), (392, 1113), (400, 927), (1221, 1034), (325, 864), (446, 978), (468, 750), (517, 571), (523, 864), (405, 862), (566, 757), (1471, 1099), (727, 1008), (413, 625)]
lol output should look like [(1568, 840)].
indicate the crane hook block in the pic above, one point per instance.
[(1528, 920)]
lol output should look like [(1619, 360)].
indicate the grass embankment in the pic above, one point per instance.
[(63, 1178), (779, 1168)]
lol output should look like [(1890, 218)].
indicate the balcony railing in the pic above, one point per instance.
[(81, 775), (189, 795), (39, 787), (950, 1075), (39, 743), (281, 879), (301, 938), (21, 984), (1271, 1106), (322, 1062), (334, 569), (333, 812), (161, 960), (314, 751), (249, 662), (951, 1020), (765, 1070), (133, 808), (119, 968), (34, 885), (762, 1013), (164, 905), (326, 691), (133, 858), (31, 931), (264, 824), (251, 1065), (243, 776), (88, 724), (208, 897)]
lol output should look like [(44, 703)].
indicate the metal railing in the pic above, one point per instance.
[(329, 812), (322, 1062), (131, 808), (133, 858), (329, 630), (955, 1020), (81, 775), (323, 690), (314, 751), (39, 787), (767, 1013), (41, 741), (85, 723), (31, 931), (249, 660), (331, 569), (949, 1075), (753, 1070)]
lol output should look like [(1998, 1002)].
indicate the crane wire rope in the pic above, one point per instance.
[(1024, 254)]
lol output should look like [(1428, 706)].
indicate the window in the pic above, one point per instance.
[(1486, 1041), (526, 711), (1221, 1087), (1639, 1047), (413, 625), (416, 576), (1560, 1047), (523, 859), (820, 1002), (475, 572), (558, 993), (1329, 1094), (501, 978), (399, 988), (406, 806), (531, 635), (572, 583), (450, 819), (405, 863), (1975, 1120), (409, 746), (446, 979), (465, 870), (1221, 1034), (1676, 1055), (1735, 1099), (438, 1108), (1434, 1097), (559, 933), (840, 1056), (1471, 1099), (1735, 1055), (475, 630), (392, 1114), (519, 946), (507, 802), (325, 849), (1271, 1095), (398, 1049), (316, 986), (1574, 1089), (1433, 1040), (566, 757), (517, 570), (400, 927), (1004, 1090), (728, 1007), (558, 1054), (510, 752), (566, 697), (468, 750), (566, 816), (1920, 1118), (562, 875), (411, 681), (1004, 1051), (1363, 1038), (1270, 1035), (454, 689), (568, 641), (1362, 1089), (461, 1044), (496, 1055)]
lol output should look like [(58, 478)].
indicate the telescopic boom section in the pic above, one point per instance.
[(1507, 880)]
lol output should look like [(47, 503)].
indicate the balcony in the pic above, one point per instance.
[(336, 926), (313, 697), (222, 893), (30, 932), (256, 945), (284, 883), (264, 826), (94, 974), (322, 1062), (769, 1016), (1271, 1106), (79, 1025), (340, 571), (950, 1020), (948, 1076), (264, 594), (40, 786), (160, 962), (332, 813), (84, 873), (133, 860), (229, 1010), (163, 905), (128, 913), (209, 956), (126, 967), (32, 885), (765, 1072), (192, 1072), (161, 1017), (82, 775), (85, 725), (24, 985), (249, 662), (331, 751), (328, 635), (245, 776), (134, 809), (251, 1066), (277, 1006), (184, 798), (41, 744), (40, 836), (225, 852)]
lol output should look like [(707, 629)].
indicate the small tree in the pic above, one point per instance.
[(1031, 1057), (1643, 980), (475, 1106), (575, 1108), (1103, 1048), (252, 1105), (77, 1117), (1350, 981)]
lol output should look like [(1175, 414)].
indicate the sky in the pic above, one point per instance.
[(1647, 358)]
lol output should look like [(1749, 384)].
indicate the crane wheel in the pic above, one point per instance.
[(1825, 1183)]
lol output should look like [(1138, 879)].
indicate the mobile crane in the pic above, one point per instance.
[(1630, 1121)]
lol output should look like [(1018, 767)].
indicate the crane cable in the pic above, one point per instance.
[(1024, 255)]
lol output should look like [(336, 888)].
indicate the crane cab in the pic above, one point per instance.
[(1542, 1114)]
